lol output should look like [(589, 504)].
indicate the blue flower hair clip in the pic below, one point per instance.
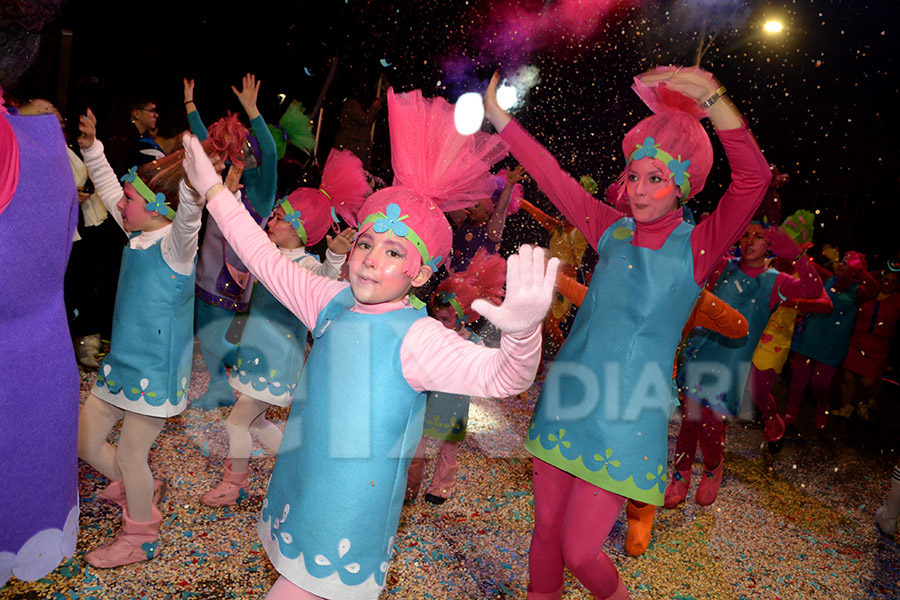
[(679, 169), (293, 218), (392, 221), (155, 202), (648, 148), (160, 206), (130, 176), (434, 262)]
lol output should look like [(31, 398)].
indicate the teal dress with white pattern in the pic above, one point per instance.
[(271, 351), (333, 504), (148, 368), (605, 405)]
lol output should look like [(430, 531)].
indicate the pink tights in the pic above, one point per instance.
[(699, 425), (285, 590), (572, 519), (761, 383), (818, 375)]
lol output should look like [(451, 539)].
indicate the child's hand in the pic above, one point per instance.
[(87, 125), (188, 90), (529, 290), (233, 178), (248, 94), (514, 176), (342, 243), (781, 243), (199, 169)]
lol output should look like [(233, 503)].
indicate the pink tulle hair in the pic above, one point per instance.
[(436, 170), (675, 126), (343, 188), (484, 278)]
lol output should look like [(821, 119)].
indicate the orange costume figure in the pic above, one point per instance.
[(568, 245)]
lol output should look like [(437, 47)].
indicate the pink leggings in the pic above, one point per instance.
[(285, 590), (818, 375), (761, 383), (572, 519), (701, 426)]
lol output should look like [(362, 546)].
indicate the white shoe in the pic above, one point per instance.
[(885, 524)]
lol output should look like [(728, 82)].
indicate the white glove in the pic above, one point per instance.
[(199, 169), (529, 290)]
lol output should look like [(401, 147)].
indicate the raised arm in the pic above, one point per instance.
[(750, 173), (588, 214), (302, 292), (440, 361), (498, 219), (807, 283), (179, 246), (193, 117), (106, 184)]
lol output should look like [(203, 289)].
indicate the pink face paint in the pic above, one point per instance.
[(663, 192)]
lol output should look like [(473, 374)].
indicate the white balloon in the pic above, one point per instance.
[(507, 96), (469, 113)]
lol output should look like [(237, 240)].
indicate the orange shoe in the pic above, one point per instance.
[(640, 524)]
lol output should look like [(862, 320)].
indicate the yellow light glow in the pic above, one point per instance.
[(773, 26)]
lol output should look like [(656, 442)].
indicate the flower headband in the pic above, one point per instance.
[(449, 298), (155, 202), (677, 167), (293, 217), (391, 220)]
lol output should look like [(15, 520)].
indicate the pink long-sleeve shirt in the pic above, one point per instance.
[(750, 176), (432, 357)]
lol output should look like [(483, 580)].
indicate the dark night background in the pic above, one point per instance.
[(818, 95)]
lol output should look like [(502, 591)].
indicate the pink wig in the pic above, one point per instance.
[(436, 169), (674, 129), (342, 192), (226, 137), (484, 278)]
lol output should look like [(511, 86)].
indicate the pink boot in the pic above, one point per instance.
[(557, 595), (136, 542), (444, 477), (774, 429), (230, 491), (621, 592), (709, 485), (677, 490), (115, 492)]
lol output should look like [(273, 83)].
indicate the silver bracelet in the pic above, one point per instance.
[(714, 98)]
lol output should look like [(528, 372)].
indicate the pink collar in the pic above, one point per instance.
[(653, 234), (9, 158)]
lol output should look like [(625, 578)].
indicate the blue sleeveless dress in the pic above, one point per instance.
[(715, 368), (148, 368), (333, 504), (605, 405), (271, 351), (826, 338)]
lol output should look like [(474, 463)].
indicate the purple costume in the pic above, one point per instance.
[(39, 394)]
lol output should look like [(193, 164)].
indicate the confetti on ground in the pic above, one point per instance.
[(797, 524)]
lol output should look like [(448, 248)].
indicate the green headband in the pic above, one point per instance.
[(155, 202), (293, 217), (390, 220), (677, 168), (449, 298)]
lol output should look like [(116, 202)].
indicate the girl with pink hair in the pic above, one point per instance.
[(273, 342), (599, 429), (333, 503)]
